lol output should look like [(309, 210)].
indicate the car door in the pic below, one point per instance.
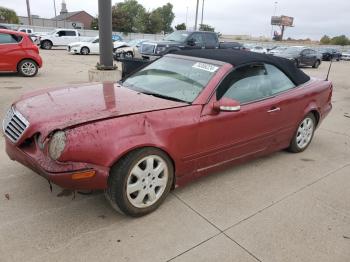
[(69, 36), (230, 136), (95, 46), (10, 51), (211, 41), (304, 59), (197, 40)]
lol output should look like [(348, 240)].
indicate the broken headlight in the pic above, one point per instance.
[(57, 144)]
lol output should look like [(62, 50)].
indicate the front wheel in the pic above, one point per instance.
[(47, 45), (28, 68), (304, 134), (316, 64), (140, 182)]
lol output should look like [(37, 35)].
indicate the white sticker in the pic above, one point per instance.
[(207, 67)]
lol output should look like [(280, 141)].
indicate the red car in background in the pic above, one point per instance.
[(18, 53), (179, 118)]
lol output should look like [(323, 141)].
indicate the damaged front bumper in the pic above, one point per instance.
[(74, 176)]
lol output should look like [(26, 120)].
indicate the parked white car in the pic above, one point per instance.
[(277, 50), (90, 47), (346, 55), (259, 49), (61, 37)]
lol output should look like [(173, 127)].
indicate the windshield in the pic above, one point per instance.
[(172, 78), (178, 36)]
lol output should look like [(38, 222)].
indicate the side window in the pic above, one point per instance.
[(279, 81), (210, 39), (254, 82), (9, 39), (246, 84), (305, 52), (61, 33), (198, 38), (96, 41), (70, 33)]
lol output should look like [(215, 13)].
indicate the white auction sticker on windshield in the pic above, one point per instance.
[(207, 67)]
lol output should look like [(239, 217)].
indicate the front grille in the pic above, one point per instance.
[(148, 48), (14, 125)]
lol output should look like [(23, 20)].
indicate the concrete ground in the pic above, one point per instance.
[(283, 207)]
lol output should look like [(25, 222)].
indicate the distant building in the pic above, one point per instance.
[(81, 17)]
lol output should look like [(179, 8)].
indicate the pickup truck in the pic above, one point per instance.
[(185, 40), (61, 37)]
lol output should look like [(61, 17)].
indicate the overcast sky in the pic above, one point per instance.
[(313, 18)]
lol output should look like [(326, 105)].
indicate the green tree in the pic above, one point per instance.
[(181, 26), (127, 15), (325, 40), (94, 23), (167, 16), (204, 27), (8, 16), (151, 23), (340, 40)]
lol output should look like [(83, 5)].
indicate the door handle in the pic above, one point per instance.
[(276, 109)]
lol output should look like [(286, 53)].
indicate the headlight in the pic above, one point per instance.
[(57, 144), (161, 49)]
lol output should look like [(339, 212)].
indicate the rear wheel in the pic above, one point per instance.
[(304, 134), (85, 51), (140, 182), (28, 68)]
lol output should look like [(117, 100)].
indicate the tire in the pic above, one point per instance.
[(46, 44), (129, 55), (137, 189), (304, 134), (84, 50), (28, 68), (316, 64)]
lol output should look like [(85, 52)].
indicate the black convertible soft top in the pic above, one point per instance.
[(238, 58)]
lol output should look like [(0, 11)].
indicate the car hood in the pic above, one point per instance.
[(165, 43), (60, 108), (79, 43)]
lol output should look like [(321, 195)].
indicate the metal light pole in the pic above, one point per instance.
[(196, 23), (28, 13), (186, 17), (54, 5), (105, 33), (202, 12)]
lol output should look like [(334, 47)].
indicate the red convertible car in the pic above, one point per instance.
[(179, 118)]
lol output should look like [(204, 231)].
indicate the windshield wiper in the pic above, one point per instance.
[(165, 97)]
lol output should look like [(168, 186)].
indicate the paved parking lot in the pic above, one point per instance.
[(283, 207)]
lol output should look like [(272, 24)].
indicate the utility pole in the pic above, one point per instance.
[(186, 17), (28, 12), (202, 13), (196, 23), (105, 32), (54, 5)]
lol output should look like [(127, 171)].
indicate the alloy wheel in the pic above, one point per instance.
[(147, 181), (305, 133)]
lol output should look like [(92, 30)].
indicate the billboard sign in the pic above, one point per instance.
[(282, 20)]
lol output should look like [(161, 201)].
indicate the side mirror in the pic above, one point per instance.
[(227, 105), (57, 35), (191, 42)]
